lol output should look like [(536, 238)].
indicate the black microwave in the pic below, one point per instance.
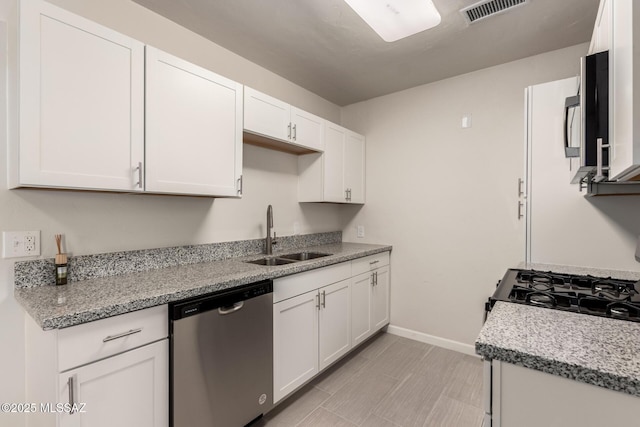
[(593, 96)]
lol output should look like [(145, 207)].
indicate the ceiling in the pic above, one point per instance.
[(325, 47)]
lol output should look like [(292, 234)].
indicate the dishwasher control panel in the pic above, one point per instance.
[(212, 301)]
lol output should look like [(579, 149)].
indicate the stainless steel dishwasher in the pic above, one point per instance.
[(222, 357)]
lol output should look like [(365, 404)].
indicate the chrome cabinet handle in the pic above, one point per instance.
[(122, 335), (376, 277), (374, 262), (520, 214), (289, 131), (240, 185), (346, 194), (318, 301), (520, 182), (223, 311), (373, 282), (72, 399), (295, 132), (139, 169), (324, 299)]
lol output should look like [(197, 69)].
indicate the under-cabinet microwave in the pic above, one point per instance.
[(592, 148)]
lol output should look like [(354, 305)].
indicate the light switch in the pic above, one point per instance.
[(466, 121)]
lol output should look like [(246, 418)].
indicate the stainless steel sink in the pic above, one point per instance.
[(304, 256), (271, 261), (288, 258)]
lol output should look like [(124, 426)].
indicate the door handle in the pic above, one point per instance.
[(139, 169), (223, 311), (71, 384), (520, 182), (520, 214)]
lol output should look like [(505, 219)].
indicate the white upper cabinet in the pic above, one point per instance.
[(272, 119), (266, 115), (193, 128), (92, 113), (601, 38), (307, 129), (338, 174), (354, 166), (618, 30), (81, 99)]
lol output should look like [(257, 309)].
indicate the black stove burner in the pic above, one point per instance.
[(581, 294)]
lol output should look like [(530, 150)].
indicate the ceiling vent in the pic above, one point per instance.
[(487, 8)]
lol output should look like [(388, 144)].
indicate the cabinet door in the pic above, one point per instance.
[(130, 389), (354, 166), (333, 158), (193, 128), (295, 343), (380, 298), (334, 322), (81, 97), (265, 115), (307, 129), (361, 292)]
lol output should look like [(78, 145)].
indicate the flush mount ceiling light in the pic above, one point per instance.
[(396, 19)]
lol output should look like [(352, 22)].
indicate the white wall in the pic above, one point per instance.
[(446, 197), (102, 222)]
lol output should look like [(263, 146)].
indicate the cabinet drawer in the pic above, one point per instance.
[(371, 262), (92, 341), (298, 284)]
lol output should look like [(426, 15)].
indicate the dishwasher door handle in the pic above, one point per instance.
[(231, 309)]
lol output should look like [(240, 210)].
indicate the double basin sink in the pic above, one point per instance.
[(288, 258)]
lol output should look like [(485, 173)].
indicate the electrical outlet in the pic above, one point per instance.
[(360, 231), (17, 244)]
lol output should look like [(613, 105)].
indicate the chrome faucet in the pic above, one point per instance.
[(270, 241)]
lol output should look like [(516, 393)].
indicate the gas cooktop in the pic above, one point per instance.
[(597, 296)]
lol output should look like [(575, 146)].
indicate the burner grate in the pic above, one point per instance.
[(601, 296)]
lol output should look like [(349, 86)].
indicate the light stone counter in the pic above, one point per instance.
[(591, 349), (92, 299)]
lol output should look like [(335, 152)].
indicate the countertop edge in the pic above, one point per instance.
[(558, 368), (47, 322)]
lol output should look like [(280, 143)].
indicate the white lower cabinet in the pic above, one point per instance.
[(130, 389), (295, 343), (110, 372), (523, 397), (361, 328), (310, 332), (380, 298), (369, 296), (321, 315), (334, 326)]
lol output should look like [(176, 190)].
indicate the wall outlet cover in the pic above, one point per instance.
[(16, 244), (360, 231)]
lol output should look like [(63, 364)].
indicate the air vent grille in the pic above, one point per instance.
[(485, 9)]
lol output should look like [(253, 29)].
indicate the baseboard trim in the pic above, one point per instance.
[(433, 340)]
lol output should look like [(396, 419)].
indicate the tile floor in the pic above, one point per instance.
[(389, 381)]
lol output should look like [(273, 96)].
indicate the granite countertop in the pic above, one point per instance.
[(87, 300), (595, 350)]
